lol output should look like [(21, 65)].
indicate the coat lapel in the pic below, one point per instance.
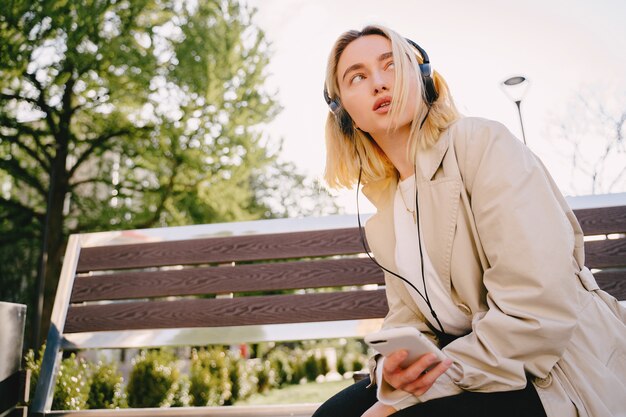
[(438, 198), (379, 228)]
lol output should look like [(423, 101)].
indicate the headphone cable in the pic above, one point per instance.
[(367, 252)]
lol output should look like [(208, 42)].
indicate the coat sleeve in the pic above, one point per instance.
[(399, 315), (530, 279)]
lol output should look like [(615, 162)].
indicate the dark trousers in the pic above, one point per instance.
[(357, 398)]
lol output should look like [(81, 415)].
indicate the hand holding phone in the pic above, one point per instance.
[(410, 339)]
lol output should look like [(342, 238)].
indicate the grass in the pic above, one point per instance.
[(311, 392)]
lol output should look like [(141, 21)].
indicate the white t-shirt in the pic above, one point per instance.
[(409, 266)]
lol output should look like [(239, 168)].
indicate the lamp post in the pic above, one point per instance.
[(515, 88)]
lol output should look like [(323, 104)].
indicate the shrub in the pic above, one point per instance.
[(153, 378), (243, 379), (322, 366), (357, 363), (283, 366), (106, 390), (265, 374), (311, 367), (72, 388), (298, 359), (210, 377), (179, 395), (34, 366), (72, 384), (351, 356)]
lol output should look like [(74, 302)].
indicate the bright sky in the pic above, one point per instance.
[(562, 46)]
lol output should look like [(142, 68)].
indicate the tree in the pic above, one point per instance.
[(129, 114), (593, 132)]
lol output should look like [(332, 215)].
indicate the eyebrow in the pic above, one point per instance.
[(355, 67)]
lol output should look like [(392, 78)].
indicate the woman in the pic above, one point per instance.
[(482, 253)]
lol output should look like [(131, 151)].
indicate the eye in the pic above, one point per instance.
[(390, 65), (356, 78)]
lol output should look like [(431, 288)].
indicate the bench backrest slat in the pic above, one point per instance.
[(609, 253), (293, 308), (604, 220), (222, 249), (227, 279), (613, 282)]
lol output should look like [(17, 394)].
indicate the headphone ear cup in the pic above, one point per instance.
[(430, 92), (345, 122)]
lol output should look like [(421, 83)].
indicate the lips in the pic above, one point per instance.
[(382, 104)]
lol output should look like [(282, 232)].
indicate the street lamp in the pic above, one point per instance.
[(515, 88)]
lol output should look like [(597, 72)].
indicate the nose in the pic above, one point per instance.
[(379, 83)]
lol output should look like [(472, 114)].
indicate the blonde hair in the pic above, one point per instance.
[(344, 151)]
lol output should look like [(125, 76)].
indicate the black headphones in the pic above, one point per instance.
[(430, 93)]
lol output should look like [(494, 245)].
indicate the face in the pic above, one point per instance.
[(366, 76)]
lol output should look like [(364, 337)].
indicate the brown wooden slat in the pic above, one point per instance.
[(222, 249), (221, 312), (226, 279), (605, 220), (613, 282), (608, 253)]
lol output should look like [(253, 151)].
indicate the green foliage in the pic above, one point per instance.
[(323, 367), (179, 395), (71, 391), (72, 388), (266, 375), (351, 356), (33, 364), (217, 375), (244, 380), (153, 380), (210, 376), (298, 360), (152, 105), (311, 367), (106, 390), (120, 114), (282, 365)]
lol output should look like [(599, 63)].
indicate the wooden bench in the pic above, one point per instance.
[(148, 288)]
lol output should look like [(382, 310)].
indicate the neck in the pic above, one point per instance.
[(394, 144)]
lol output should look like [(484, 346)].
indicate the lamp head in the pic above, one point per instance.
[(515, 87)]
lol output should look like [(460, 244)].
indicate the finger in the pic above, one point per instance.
[(393, 361), (402, 377), (427, 379), (418, 367)]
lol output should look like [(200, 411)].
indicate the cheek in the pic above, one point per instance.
[(355, 106)]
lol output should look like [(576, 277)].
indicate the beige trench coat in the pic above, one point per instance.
[(510, 252)]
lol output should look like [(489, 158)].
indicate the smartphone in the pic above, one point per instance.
[(388, 341)]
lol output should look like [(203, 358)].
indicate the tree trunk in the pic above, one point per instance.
[(55, 236)]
